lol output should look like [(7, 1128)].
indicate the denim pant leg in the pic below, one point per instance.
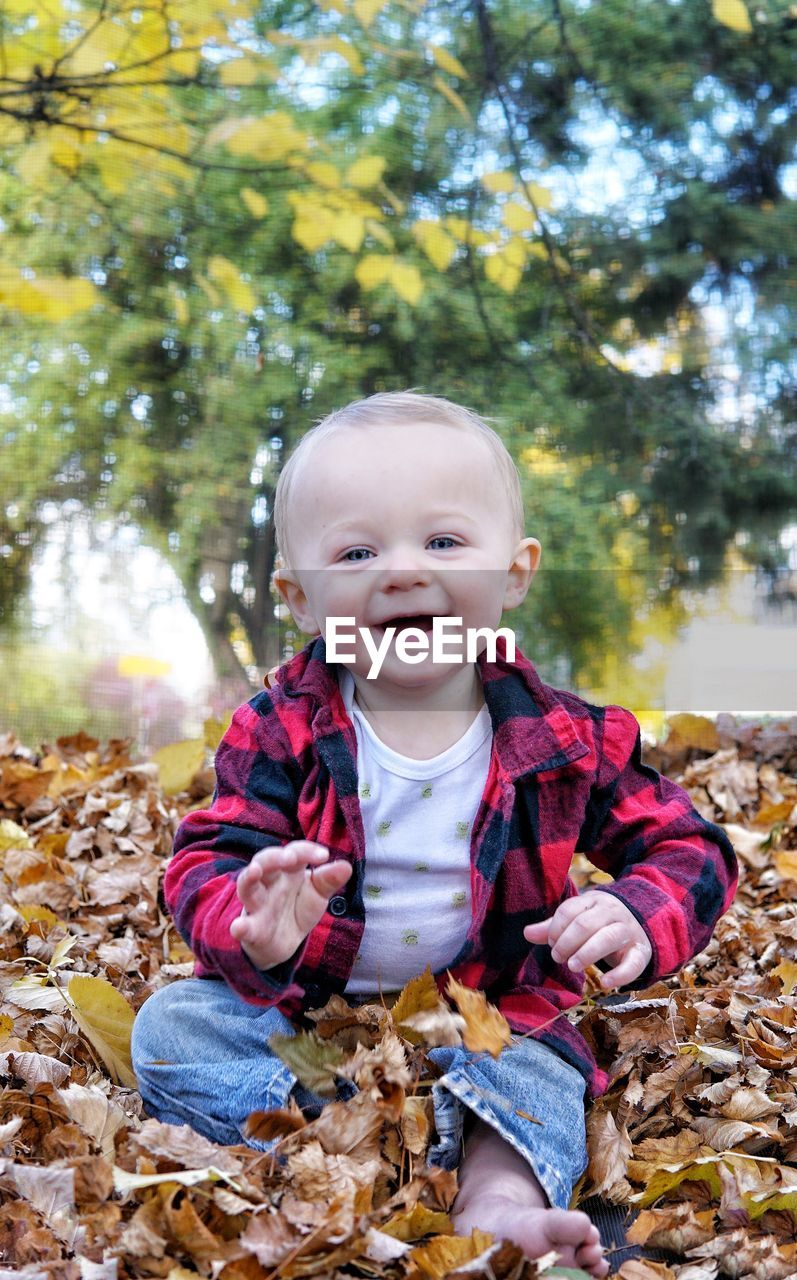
[(529, 1077), (201, 1057)]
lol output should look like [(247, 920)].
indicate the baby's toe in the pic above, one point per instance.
[(569, 1226)]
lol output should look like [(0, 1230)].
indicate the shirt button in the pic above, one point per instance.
[(338, 905)]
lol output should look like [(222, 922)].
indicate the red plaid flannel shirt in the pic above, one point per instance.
[(564, 776)]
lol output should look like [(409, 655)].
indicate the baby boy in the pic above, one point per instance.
[(372, 819)]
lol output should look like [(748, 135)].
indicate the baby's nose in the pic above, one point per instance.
[(405, 566)]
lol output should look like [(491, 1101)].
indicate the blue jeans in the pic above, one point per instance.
[(201, 1056)]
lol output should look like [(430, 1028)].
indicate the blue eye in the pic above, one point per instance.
[(355, 551)]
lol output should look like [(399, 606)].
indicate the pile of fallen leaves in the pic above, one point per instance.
[(698, 1129)]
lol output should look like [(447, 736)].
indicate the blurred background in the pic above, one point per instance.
[(221, 219)]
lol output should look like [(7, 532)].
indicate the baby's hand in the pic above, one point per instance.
[(595, 926), (284, 892)]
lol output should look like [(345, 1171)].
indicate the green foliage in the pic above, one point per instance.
[(172, 401)]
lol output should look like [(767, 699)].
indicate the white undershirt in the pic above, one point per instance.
[(418, 818)]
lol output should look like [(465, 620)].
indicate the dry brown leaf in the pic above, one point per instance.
[(642, 1269), (609, 1152), (269, 1238), (675, 1227), (445, 1253), (486, 1029)]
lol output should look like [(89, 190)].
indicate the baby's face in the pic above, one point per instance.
[(395, 521)]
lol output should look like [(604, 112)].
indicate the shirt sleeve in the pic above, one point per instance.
[(674, 870), (254, 806)]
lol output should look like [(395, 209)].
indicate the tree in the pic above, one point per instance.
[(410, 217)]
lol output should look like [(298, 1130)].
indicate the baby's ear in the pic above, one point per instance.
[(525, 561), (286, 583)]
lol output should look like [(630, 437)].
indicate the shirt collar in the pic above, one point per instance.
[(532, 730)]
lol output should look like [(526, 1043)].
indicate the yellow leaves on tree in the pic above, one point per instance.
[(447, 62), (732, 14), (271, 138), (239, 293), (375, 269), (113, 81), (438, 245), (53, 298)]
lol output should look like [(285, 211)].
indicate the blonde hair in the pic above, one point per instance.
[(388, 408)]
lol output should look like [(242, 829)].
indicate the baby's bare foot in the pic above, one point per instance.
[(536, 1230)]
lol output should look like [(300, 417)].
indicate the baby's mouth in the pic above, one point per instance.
[(424, 621)]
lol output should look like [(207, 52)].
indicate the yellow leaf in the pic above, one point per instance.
[(323, 174), (407, 282), (436, 243), (6, 1028), (786, 971), (447, 62), (517, 217), (106, 42), (348, 229), (255, 203), (420, 995), (380, 233), (366, 10), (668, 1177), (541, 196), (105, 1017), (733, 14), (348, 51), (42, 914), (184, 62), (514, 252), (225, 273), (12, 836), (270, 138), (366, 172), (465, 231), (502, 273), (687, 731), (245, 70), (214, 730), (416, 1224), (499, 181), (373, 269), (445, 1254), (757, 1203), (131, 665), (453, 97), (63, 151), (311, 233), (51, 297), (486, 1028), (786, 863), (179, 763)]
